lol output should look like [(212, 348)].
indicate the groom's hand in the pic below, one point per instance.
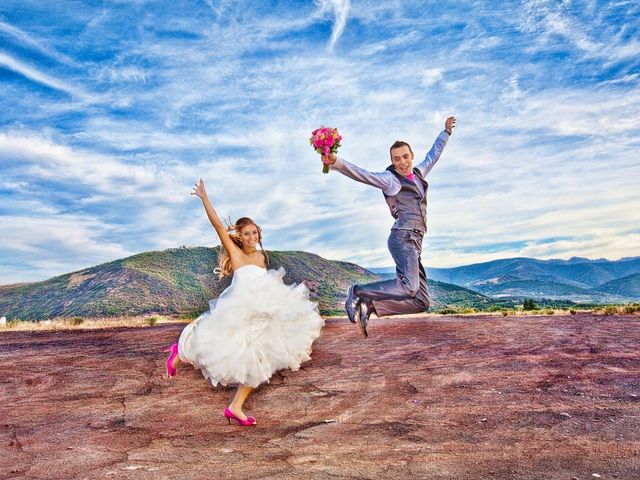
[(449, 125), (328, 159)]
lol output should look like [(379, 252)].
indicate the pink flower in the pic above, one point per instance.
[(324, 141)]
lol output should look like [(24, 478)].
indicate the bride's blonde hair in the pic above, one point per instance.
[(224, 261)]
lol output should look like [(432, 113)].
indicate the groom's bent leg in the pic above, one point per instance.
[(420, 303), (409, 286)]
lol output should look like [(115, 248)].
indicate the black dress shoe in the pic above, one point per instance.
[(350, 304), (363, 312)]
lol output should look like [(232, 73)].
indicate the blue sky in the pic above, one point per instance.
[(110, 111)]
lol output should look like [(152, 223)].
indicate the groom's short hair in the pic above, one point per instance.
[(398, 144)]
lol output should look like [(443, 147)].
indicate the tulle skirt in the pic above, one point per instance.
[(256, 327)]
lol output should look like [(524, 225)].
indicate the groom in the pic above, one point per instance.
[(405, 190)]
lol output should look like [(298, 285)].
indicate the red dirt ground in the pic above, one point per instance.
[(554, 397)]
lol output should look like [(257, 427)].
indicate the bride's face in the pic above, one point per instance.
[(249, 236)]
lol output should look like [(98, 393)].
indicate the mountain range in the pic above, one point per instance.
[(181, 281), (577, 279)]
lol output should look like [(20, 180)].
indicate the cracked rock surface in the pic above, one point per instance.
[(460, 398)]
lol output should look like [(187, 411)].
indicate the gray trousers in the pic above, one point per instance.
[(408, 292)]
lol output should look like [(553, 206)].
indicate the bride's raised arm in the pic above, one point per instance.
[(200, 192)]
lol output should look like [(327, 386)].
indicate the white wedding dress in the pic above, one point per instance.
[(256, 327)]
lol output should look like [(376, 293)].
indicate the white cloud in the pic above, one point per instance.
[(30, 42), (629, 78), (42, 158), (550, 19), (431, 76), (50, 245), (340, 9), (536, 156), (37, 76), (512, 93)]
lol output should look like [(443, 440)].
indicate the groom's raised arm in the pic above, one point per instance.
[(385, 181), (433, 155)]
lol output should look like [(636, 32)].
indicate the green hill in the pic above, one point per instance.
[(540, 289), (534, 288), (180, 281), (628, 286), (174, 281), (447, 295)]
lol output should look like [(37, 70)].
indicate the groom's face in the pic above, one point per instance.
[(402, 160)]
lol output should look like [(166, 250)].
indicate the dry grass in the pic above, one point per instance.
[(79, 323), (628, 310)]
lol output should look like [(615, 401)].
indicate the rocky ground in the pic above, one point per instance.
[(469, 397)]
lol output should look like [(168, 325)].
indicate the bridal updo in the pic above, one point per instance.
[(224, 261)]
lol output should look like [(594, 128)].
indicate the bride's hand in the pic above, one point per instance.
[(198, 189)]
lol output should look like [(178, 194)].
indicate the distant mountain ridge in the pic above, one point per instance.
[(628, 286), (577, 279), (181, 281)]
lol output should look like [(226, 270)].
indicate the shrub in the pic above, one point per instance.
[(632, 308), (151, 321), (75, 321), (505, 313), (448, 311), (573, 311), (549, 311), (529, 304), (610, 310), (189, 316)]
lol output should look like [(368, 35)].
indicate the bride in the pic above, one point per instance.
[(256, 327)]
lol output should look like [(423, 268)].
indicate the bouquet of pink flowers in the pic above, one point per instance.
[(325, 140)]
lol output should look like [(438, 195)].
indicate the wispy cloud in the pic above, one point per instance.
[(24, 39), (52, 243), (340, 9), (431, 76), (115, 123), (35, 75), (574, 24)]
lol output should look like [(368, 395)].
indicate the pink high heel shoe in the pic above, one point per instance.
[(250, 421), (171, 370)]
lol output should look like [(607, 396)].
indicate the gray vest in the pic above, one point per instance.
[(409, 205)]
